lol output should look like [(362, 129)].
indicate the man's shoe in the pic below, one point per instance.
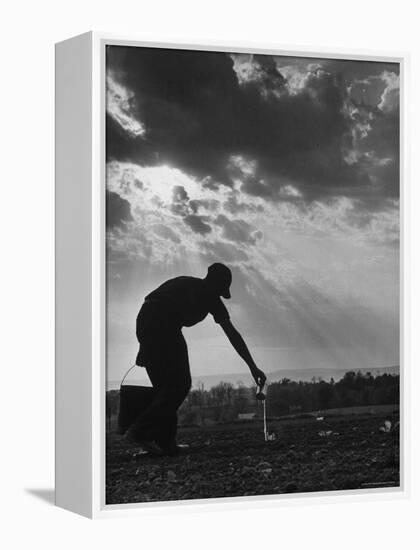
[(150, 447)]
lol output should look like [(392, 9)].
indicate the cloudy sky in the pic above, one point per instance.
[(284, 168)]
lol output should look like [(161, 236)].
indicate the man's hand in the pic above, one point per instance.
[(239, 344), (258, 376)]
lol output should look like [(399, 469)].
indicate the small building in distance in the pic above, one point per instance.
[(247, 416)]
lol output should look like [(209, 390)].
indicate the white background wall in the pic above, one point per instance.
[(28, 32)]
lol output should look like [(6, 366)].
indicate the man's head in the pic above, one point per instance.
[(219, 278)]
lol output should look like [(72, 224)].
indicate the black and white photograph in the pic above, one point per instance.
[(252, 274)]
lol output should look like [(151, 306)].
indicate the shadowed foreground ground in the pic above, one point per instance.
[(346, 452)]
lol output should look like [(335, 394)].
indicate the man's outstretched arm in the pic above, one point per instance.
[(242, 349)]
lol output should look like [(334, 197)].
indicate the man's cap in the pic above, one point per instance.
[(222, 276)]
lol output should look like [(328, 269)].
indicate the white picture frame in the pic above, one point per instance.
[(80, 277)]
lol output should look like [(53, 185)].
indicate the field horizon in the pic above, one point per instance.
[(305, 374)]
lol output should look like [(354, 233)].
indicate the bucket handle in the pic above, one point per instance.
[(126, 374)]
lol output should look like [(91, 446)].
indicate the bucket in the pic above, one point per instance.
[(133, 401)]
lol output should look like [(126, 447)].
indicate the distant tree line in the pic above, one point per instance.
[(224, 402), (354, 389)]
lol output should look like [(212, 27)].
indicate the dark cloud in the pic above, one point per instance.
[(205, 204), (384, 141), (180, 201), (166, 233), (117, 210), (271, 78), (179, 194), (357, 71), (183, 205), (238, 231), (197, 115), (197, 224)]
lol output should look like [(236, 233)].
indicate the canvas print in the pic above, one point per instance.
[(252, 268)]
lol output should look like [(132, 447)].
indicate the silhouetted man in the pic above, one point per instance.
[(177, 303)]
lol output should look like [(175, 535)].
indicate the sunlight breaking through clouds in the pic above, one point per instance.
[(284, 168), (168, 208)]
